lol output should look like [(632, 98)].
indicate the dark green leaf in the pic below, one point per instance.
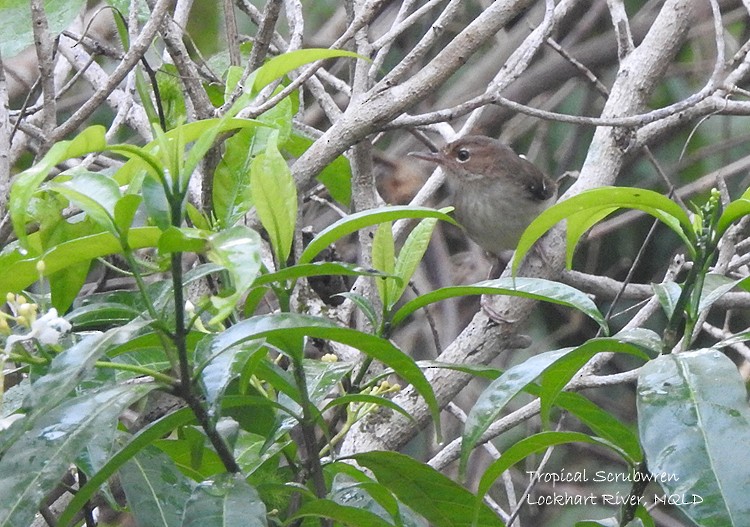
[(281, 327), (366, 218), (534, 288), (156, 490), (531, 445), (694, 425), (442, 501), (341, 514), (33, 465), (225, 501)]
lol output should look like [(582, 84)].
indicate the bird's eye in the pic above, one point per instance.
[(463, 155)]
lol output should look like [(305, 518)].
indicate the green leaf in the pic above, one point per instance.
[(19, 274), (125, 210), (557, 376), (141, 440), (15, 22), (355, 517), (32, 466), (278, 328), (274, 195), (409, 257), (69, 367), (534, 288), (183, 239), (279, 66), (531, 445), (732, 212), (27, 182), (442, 501), (667, 293), (157, 203), (95, 194), (231, 182), (694, 425), (336, 176), (366, 218), (217, 371), (714, 287), (225, 501), (558, 367), (295, 272), (602, 423), (156, 490), (590, 206), (171, 95), (384, 260), (237, 249)]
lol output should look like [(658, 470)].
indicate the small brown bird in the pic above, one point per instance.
[(497, 192)]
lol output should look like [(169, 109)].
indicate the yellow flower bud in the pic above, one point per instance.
[(329, 357), (41, 267), (4, 327), (10, 298)]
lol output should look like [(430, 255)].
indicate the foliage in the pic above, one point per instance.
[(264, 379)]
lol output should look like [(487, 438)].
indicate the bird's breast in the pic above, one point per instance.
[(495, 216)]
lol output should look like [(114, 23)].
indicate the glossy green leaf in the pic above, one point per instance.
[(732, 212), (95, 194), (15, 23), (354, 517), (602, 423), (69, 367), (183, 239), (231, 183), (367, 218), (27, 182), (409, 258), (141, 440), (295, 272), (442, 501), (279, 327), (224, 501), (556, 377), (237, 249), (667, 293), (279, 66), (156, 202), (336, 176), (19, 274), (534, 288), (583, 210), (217, 371), (32, 466), (694, 425), (557, 367), (384, 260), (274, 195), (125, 210), (531, 445), (156, 490)]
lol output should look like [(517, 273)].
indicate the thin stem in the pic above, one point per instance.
[(308, 430)]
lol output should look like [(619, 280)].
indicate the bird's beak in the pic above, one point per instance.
[(433, 157)]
